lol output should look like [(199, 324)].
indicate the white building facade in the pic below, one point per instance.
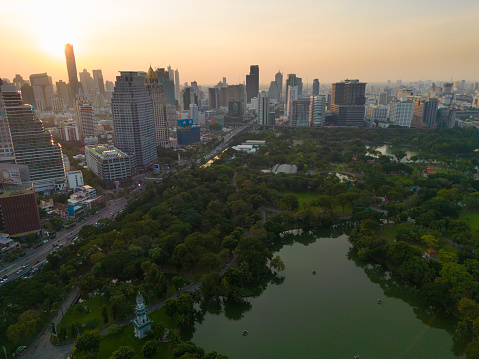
[(401, 112)]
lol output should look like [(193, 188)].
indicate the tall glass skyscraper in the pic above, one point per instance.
[(133, 119), (72, 71)]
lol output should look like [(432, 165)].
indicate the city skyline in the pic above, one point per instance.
[(371, 40)]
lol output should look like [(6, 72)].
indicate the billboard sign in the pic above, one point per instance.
[(10, 174), (185, 123), (156, 168)]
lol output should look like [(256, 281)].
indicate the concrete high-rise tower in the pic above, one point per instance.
[(347, 103), (133, 119), (86, 119), (43, 91), (252, 83), (177, 86), (293, 81), (278, 78), (75, 86), (315, 87), (32, 144), (157, 96), (98, 83), (263, 108)]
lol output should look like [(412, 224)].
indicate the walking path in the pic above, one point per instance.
[(41, 348)]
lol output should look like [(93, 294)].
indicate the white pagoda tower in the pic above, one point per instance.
[(142, 323)]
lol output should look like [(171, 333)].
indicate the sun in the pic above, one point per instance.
[(53, 36)]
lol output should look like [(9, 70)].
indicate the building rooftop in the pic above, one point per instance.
[(17, 193), (107, 151), (284, 168)]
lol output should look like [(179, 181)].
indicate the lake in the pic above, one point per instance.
[(333, 314)]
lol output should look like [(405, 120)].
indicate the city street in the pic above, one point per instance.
[(64, 237)]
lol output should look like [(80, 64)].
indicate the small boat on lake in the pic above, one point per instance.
[(245, 333), (314, 272)]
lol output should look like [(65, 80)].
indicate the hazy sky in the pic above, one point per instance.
[(372, 40)]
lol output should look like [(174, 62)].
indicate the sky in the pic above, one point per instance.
[(371, 40)]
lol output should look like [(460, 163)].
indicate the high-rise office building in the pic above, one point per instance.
[(299, 113), (425, 113), (168, 85), (32, 144), (86, 119), (401, 112), (186, 98), (98, 83), (63, 92), (133, 119), (28, 96), (447, 87), (292, 81), (177, 86), (213, 98), (194, 113), (18, 81), (109, 86), (6, 145), (157, 96), (43, 91), (263, 108), (278, 78), (87, 84), (252, 83), (75, 86), (317, 109), (315, 87), (347, 103), (273, 92), (292, 95)]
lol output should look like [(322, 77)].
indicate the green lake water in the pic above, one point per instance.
[(333, 314)]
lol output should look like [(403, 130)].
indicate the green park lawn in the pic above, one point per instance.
[(472, 219), (89, 318), (126, 337)]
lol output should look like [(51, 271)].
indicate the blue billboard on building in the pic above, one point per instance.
[(186, 137), (185, 123)]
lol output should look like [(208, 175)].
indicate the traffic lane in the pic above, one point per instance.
[(41, 252)]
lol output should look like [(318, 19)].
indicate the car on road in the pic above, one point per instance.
[(38, 261), (19, 271)]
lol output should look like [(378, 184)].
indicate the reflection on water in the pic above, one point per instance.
[(333, 314)]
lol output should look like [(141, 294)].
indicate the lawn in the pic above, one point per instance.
[(86, 314), (125, 337), (472, 219), (303, 196)]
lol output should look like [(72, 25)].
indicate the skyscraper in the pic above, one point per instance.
[(75, 86), (278, 78), (168, 85), (299, 113), (293, 80), (425, 113), (177, 86), (87, 84), (98, 83), (32, 144), (6, 145), (317, 110), (133, 119), (157, 96), (315, 87), (263, 108), (86, 119), (63, 92), (252, 83), (213, 98), (43, 91), (273, 92), (347, 103)]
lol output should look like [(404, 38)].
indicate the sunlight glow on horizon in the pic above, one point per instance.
[(370, 40)]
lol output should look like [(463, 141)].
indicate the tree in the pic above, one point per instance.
[(149, 349), (104, 313), (277, 263), (123, 352), (88, 343), (291, 201), (57, 223)]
